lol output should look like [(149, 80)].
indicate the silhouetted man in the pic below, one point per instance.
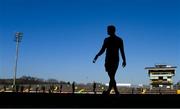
[(112, 45)]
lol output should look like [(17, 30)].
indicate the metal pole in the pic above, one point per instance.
[(18, 38), (16, 60)]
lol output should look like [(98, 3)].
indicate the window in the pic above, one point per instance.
[(161, 78)]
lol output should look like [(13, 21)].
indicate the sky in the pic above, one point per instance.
[(61, 38)]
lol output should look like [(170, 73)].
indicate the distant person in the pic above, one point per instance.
[(52, 88), (17, 88), (22, 89), (73, 87), (94, 87), (60, 89), (29, 88), (4, 88), (37, 88), (49, 90), (43, 89), (133, 90), (112, 45)]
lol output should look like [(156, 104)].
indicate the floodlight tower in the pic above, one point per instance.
[(18, 38)]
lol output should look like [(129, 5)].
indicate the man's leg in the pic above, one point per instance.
[(115, 88), (112, 83), (114, 72), (111, 68)]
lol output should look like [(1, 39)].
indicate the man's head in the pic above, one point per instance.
[(111, 30)]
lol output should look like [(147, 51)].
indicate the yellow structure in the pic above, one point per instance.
[(82, 90), (161, 76), (143, 91), (178, 91)]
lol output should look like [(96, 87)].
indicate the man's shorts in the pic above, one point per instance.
[(111, 66)]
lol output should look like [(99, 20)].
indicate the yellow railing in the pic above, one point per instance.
[(160, 81), (178, 91)]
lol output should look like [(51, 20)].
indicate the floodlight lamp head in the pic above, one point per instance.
[(18, 36)]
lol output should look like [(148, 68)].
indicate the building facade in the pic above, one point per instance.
[(161, 76)]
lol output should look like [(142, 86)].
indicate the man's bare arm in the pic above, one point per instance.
[(123, 54), (100, 52)]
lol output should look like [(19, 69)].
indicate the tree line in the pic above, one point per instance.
[(31, 80)]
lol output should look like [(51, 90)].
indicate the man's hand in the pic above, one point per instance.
[(124, 64), (95, 59)]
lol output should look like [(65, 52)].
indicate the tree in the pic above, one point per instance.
[(52, 81), (29, 80), (179, 82)]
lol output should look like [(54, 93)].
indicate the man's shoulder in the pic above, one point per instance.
[(116, 38), (119, 38), (106, 39)]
